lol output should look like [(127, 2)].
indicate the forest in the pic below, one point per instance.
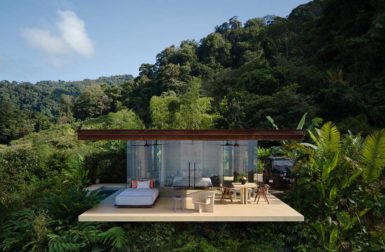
[(325, 60)]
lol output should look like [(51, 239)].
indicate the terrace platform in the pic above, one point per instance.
[(225, 211)]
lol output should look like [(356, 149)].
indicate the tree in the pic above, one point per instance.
[(92, 102), (123, 119), (215, 49), (187, 111), (14, 123), (66, 109)]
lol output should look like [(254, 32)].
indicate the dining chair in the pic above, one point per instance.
[(228, 191), (262, 190)]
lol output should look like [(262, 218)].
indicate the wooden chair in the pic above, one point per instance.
[(227, 191), (262, 190)]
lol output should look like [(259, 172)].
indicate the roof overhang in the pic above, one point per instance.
[(208, 135)]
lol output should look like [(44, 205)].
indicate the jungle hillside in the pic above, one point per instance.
[(326, 60)]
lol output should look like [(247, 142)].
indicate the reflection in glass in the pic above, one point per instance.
[(190, 164)]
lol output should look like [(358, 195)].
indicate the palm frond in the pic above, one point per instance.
[(116, 237), (57, 243), (373, 155), (314, 137), (329, 138)]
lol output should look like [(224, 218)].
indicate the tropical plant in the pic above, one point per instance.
[(335, 170)]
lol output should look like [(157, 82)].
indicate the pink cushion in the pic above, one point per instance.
[(134, 184)]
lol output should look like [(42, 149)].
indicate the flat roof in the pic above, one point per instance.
[(225, 211), (213, 135)]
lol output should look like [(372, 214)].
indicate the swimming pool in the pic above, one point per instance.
[(105, 192)]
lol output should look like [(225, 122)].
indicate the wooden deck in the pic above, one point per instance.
[(276, 211)]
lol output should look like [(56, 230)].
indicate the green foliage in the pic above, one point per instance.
[(116, 237), (92, 102), (335, 172), (327, 139), (189, 111), (27, 230), (14, 122), (26, 108), (301, 122), (123, 119), (149, 237), (373, 155), (325, 59)]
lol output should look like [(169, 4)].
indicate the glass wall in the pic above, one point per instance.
[(190, 163)]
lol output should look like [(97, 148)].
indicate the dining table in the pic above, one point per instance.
[(244, 188)]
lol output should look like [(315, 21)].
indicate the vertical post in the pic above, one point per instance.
[(127, 161), (194, 175), (221, 167), (251, 169), (189, 170)]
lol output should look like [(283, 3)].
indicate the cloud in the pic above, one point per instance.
[(70, 38), (45, 41), (73, 32)]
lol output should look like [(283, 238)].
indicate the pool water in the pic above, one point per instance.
[(104, 193)]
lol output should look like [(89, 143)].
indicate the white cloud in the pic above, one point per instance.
[(70, 37), (45, 41), (73, 32)]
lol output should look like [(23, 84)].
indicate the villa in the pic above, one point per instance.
[(191, 175)]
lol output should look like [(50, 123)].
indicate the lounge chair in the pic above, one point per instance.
[(203, 201)]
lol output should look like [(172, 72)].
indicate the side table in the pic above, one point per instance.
[(177, 199)]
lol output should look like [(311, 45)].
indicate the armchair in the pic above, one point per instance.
[(203, 201)]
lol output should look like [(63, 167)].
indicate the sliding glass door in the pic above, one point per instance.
[(189, 164)]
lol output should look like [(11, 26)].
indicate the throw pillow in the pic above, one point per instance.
[(143, 184), (152, 183)]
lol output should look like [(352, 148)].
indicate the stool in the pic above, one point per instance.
[(176, 199)]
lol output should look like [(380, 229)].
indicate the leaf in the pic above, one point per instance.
[(116, 237), (329, 138), (364, 212), (57, 243), (348, 181), (321, 188), (333, 193), (329, 167), (344, 220), (313, 137), (333, 238), (302, 122), (314, 147), (373, 155), (271, 120)]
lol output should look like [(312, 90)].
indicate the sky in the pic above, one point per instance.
[(75, 40)]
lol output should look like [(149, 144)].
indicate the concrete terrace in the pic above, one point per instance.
[(162, 211)]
